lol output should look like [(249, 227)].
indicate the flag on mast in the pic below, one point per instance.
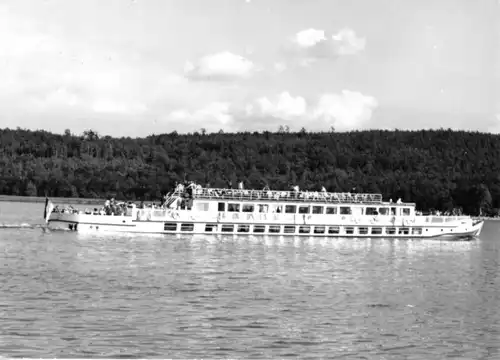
[(49, 206)]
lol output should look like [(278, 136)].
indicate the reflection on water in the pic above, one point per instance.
[(82, 295)]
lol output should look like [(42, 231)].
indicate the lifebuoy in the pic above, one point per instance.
[(174, 215)]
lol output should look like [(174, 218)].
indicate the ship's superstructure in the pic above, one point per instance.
[(198, 210)]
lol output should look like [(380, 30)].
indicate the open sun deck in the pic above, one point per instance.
[(278, 195)]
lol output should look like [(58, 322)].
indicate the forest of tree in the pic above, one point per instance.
[(437, 169)]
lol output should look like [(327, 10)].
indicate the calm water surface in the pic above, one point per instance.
[(71, 295)]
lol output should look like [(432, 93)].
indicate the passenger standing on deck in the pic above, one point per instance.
[(240, 185), (107, 207), (190, 189)]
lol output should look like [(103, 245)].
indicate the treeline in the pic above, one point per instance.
[(438, 169)]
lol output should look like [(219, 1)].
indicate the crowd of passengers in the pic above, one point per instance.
[(111, 207), (191, 189)]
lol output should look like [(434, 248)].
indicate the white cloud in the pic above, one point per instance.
[(345, 111), (280, 67), (212, 117), (46, 73), (284, 106), (347, 43), (220, 66), (348, 110), (311, 45), (309, 38)]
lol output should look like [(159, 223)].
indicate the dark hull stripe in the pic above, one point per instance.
[(135, 222)]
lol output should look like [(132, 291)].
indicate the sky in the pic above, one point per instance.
[(138, 67)]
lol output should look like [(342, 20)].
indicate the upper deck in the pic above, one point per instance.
[(292, 196)]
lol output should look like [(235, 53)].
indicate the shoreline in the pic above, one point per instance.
[(55, 200)]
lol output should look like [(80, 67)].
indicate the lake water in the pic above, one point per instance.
[(65, 294)]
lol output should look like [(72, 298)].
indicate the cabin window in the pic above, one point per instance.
[(233, 207), (243, 228), (331, 210), (406, 211), (383, 211), (319, 229), (278, 209), (390, 231), (393, 211), (170, 226), (289, 229), (210, 227), (345, 210), (274, 229), (202, 206), (247, 208), (187, 227), (404, 231), (349, 230), (303, 209), (259, 228), (290, 209), (377, 231), (222, 206), (263, 208), (363, 230), (317, 210), (333, 230), (416, 231), (227, 228), (304, 229), (371, 211)]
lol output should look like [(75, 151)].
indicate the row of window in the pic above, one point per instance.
[(302, 209), (293, 229)]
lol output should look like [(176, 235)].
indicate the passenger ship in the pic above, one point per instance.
[(266, 212)]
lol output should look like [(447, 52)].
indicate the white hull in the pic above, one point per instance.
[(193, 222)]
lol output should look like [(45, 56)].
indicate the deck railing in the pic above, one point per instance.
[(277, 195)]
